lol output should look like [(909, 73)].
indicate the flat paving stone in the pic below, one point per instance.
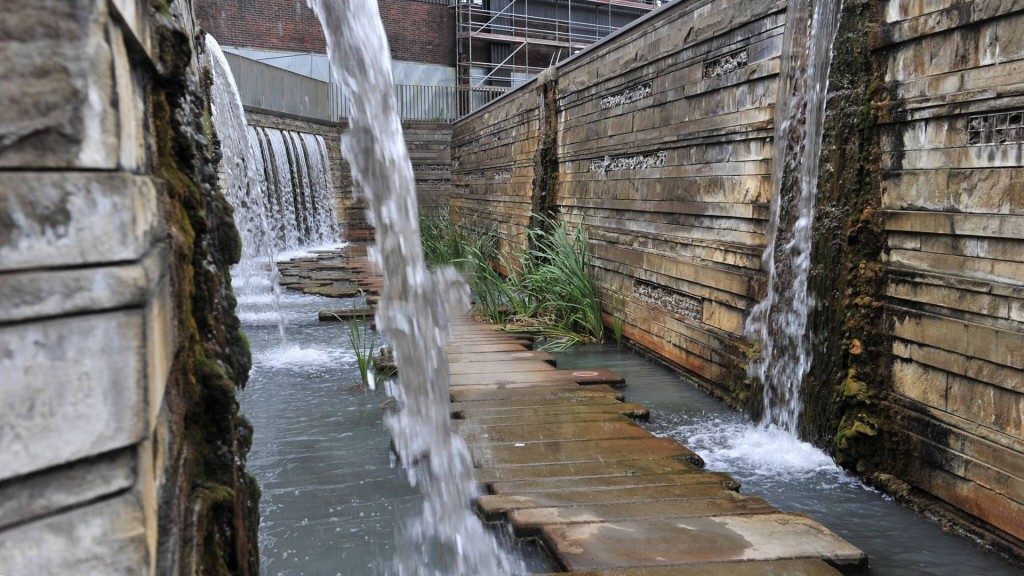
[(506, 367), (346, 314), (769, 568), (583, 451), (579, 376), (497, 504), (553, 432), (625, 481), (510, 472), (598, 405), (527, 418), (477, 395), (503, 356), (470, 349), (729, 503), (679, 541)]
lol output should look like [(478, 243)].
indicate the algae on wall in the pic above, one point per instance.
[(850, 372), (209, 512)]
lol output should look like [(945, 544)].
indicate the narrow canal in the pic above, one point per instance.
[(333, 497), (334, 501)]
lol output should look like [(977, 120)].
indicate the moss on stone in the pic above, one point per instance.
[(211, 503)]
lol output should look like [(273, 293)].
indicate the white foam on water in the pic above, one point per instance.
[(772, 451), (295, 357)]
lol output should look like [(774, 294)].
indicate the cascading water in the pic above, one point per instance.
[(255, 276), (449, 539), (779, 322), (278, 182)]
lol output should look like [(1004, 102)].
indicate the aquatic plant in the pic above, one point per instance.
[(546, 290), (363, 340)]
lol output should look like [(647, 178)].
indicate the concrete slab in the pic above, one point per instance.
[(576, 409), (508, 367), (529, 419), (700, 540), (599, 376), (477, 343), (680, 478), (730, 503), (581, 470), (562, 431), (572, 391), (583, 451), (470, 349), (770, 568), (502, 356), (456, 342), (539, 405), (493, 505)]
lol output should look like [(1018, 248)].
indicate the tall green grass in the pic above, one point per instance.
[(547, 290)]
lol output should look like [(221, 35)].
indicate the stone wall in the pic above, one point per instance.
[(663, 151), (120, 438), (952, 194), (659, 140)]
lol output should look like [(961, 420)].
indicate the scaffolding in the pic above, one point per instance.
[(504, 43)]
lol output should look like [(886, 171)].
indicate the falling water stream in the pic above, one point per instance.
[(413, 312), (778, 324)]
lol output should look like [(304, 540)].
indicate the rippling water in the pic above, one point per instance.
[(331, 497), (792, 475)]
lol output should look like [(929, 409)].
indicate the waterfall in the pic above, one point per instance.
[(279, 184), (778, 324), (448, 539), (255, 276)]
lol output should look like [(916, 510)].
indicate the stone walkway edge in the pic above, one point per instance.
[(561, 458)]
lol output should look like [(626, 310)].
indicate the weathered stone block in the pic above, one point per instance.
[(56, 86), (81, 374), (159, 348), (920, 383), (65, 219), (48, 293), (62, 488), (104, 539)]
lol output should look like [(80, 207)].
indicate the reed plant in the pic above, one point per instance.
[(363, 339), (547, 289)]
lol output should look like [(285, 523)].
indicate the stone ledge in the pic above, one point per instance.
[(57, 86), (104, 539), (34, 295), (42, 494), (57, 219), (83, 374)]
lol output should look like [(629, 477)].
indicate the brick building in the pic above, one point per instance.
[(286, 33)]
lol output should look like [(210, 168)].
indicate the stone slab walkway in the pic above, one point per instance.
[(562, 458)]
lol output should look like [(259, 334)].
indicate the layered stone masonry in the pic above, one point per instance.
[(672, 300), (633, 162), (627, 96)]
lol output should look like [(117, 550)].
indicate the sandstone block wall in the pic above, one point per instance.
[(663, 144), (952, 171), (94, 470), (664, 153)]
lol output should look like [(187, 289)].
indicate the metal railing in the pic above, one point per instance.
[(276, 89)]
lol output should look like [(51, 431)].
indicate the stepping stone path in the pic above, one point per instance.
[(562, 458), (339, 273)]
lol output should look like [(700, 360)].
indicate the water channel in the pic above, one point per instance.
[(334, 498)]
